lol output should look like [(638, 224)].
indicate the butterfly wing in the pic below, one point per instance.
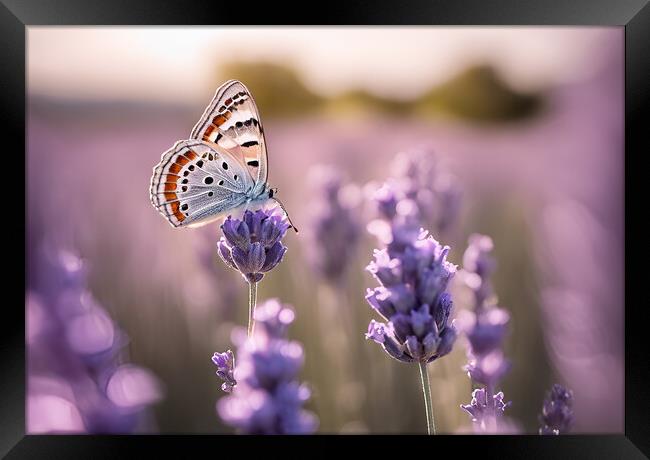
[(197, 182), (232, 121)]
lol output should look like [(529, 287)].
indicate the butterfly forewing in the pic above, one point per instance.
[(232, 121), (196, 182)]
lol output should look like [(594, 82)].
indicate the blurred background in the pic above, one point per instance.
[(527, 123)]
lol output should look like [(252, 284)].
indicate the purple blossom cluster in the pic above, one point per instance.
[(79, 380), (253, 244), (266, 397), (419, 177), (485, 328), (334, 229), (557, 412), (413, 274), (480, 410)]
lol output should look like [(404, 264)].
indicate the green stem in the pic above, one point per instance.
[(428, 405), (252, 301)]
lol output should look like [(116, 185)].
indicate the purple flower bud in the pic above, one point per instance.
[(442, 309), (447, 339), (270, 233), (236, 233), (376, 331), (254, 222), (431, 286), (379, 299), (225, 254), (401, 324), (422, 321), (557, 411), (430, 344), (414, 348), (387, 271), (396, 349), (252, 245), (274, 256), (225, 363), (402, 298)]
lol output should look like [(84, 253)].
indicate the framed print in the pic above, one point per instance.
[(349, 231)]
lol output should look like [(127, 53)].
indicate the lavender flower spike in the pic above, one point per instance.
[(268, 398), (334, 230), (413, 273), (225, 363), (413, 298), (79, 379), (485, 328), (557, 412), (253, 245)]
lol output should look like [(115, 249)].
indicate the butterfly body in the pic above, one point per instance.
[(220, 169)]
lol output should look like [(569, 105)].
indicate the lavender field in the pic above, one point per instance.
[(122, 324)]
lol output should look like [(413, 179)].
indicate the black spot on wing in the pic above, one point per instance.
[(250, 144)]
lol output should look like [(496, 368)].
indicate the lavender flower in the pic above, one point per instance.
[(479, 409), (78, 380), (268, 399), (413, 274), (485, 328), (253, 244), (557, 412), (225, 363), (335, 232)]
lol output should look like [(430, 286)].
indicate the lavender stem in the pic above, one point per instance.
[(252, 300), (428, 405)]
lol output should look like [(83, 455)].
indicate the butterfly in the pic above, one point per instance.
[(222, 167)]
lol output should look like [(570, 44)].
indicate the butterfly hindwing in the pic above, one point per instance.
[(232, 121), (196, 182)]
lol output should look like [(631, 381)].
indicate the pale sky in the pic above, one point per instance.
[(177, 64)]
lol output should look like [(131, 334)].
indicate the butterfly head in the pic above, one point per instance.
[(273, 191)]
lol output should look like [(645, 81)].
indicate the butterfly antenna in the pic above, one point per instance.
[(286, 214)]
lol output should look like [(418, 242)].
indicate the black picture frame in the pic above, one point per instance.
[(634, 15)]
